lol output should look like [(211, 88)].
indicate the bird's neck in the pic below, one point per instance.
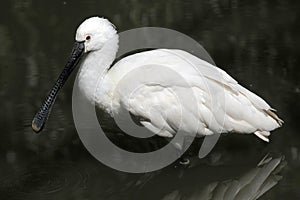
[(92, 73)]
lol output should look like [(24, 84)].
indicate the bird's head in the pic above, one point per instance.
[(94, 32), (91, 35)]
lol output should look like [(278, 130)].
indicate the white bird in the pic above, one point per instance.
[(167, 90)]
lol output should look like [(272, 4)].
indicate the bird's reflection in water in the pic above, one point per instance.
[(85, 180), (250, 185)]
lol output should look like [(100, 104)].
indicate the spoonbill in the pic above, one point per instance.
[(241, 110)]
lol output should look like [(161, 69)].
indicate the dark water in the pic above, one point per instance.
[(257, 42)]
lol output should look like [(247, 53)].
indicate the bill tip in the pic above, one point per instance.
[(35, 127)]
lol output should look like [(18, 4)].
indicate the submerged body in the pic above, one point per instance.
[(168, 89)]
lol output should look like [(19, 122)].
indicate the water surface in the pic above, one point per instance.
[(256, 42)]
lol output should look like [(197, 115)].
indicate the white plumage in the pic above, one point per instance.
[(168, 89)]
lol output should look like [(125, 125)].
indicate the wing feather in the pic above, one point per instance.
[(241, 110)]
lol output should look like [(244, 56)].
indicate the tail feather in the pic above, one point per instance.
[(272, 114), (263, 135)]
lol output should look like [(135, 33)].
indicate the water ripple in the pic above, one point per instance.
[(45, 180)]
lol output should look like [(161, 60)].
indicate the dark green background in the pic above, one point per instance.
[(257, 42)]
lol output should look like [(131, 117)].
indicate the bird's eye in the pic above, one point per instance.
[(88, 37)]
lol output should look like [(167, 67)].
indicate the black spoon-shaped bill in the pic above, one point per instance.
[(41, 116)]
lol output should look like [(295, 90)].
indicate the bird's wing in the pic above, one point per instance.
[(207, 98), (158, 86)]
